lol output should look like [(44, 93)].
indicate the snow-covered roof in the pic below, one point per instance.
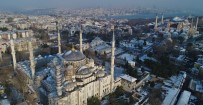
[(128, 78), (177, 19), (127, 56), (184, 98), (171, 95)]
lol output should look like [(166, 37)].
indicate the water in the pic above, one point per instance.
[(147, 16)]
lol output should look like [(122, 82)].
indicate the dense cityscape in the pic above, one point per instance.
[(101, 56)]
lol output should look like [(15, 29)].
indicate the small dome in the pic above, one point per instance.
[(70, 67), (73, 55), (100, 73), (70, 86), (84, 71)]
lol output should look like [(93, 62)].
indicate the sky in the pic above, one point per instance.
[(192, 5)]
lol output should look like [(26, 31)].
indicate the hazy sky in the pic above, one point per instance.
[(29, 4)]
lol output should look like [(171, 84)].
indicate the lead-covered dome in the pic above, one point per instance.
[(100, 73), (73, 55), (84, 71)]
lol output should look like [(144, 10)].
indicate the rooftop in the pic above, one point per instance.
[(128, 78)]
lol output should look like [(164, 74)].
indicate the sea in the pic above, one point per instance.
[(150, 16)]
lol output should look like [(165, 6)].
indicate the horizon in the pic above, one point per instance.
[(75, 4)]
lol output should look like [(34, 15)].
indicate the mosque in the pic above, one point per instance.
[(68, 78)]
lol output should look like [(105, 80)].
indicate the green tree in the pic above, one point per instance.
[(145, 43), (10, 19), (200, 74), (119, 91), (155, 97), (163, 68), (130, 70), (4, 29), (93, 101), (116, 94)]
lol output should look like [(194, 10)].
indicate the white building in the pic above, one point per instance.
[(100, 46)]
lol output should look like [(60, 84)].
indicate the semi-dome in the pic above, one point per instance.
[(70, 67), (73, 55), (100, 73), (84, 71), (70, 86)]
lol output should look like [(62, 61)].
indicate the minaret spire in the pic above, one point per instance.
[(197, 23), (192, 23), (59, 38), (162, 19), (32, 62), (81, 39), (155, 27), (112, 59), (1, 59), (58, 67), (13, 53)]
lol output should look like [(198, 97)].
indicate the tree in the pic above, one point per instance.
[(119, 91), (104, 55), (163, 68), (113, 96), (150, 54), (44, 46), (138, 60), (155, 97), (4, 29), (152, 84), (103, 63), (181, 39), (93, 101), (130, 70), (145, 43), (10, 19), (95, 52), (200, 74)]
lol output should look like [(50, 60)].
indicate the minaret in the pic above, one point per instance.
[(58, 81), (155, 27), (58, 76), (197, 23), (13, 53), (192, 23), (59, 38), (32, 62), (81, 39), (162, 19), (112, 60), (1, 59)]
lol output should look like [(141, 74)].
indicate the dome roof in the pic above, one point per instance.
[(70, 86), (70, 67), (84, 71), (100, 73), (73, 55), (177, 19)]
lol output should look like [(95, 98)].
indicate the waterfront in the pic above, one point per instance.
[(148, 16)]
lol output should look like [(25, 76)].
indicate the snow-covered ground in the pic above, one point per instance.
[(142, 58), (128, 57)]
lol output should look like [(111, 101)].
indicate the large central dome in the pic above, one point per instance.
[(73, 55)]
